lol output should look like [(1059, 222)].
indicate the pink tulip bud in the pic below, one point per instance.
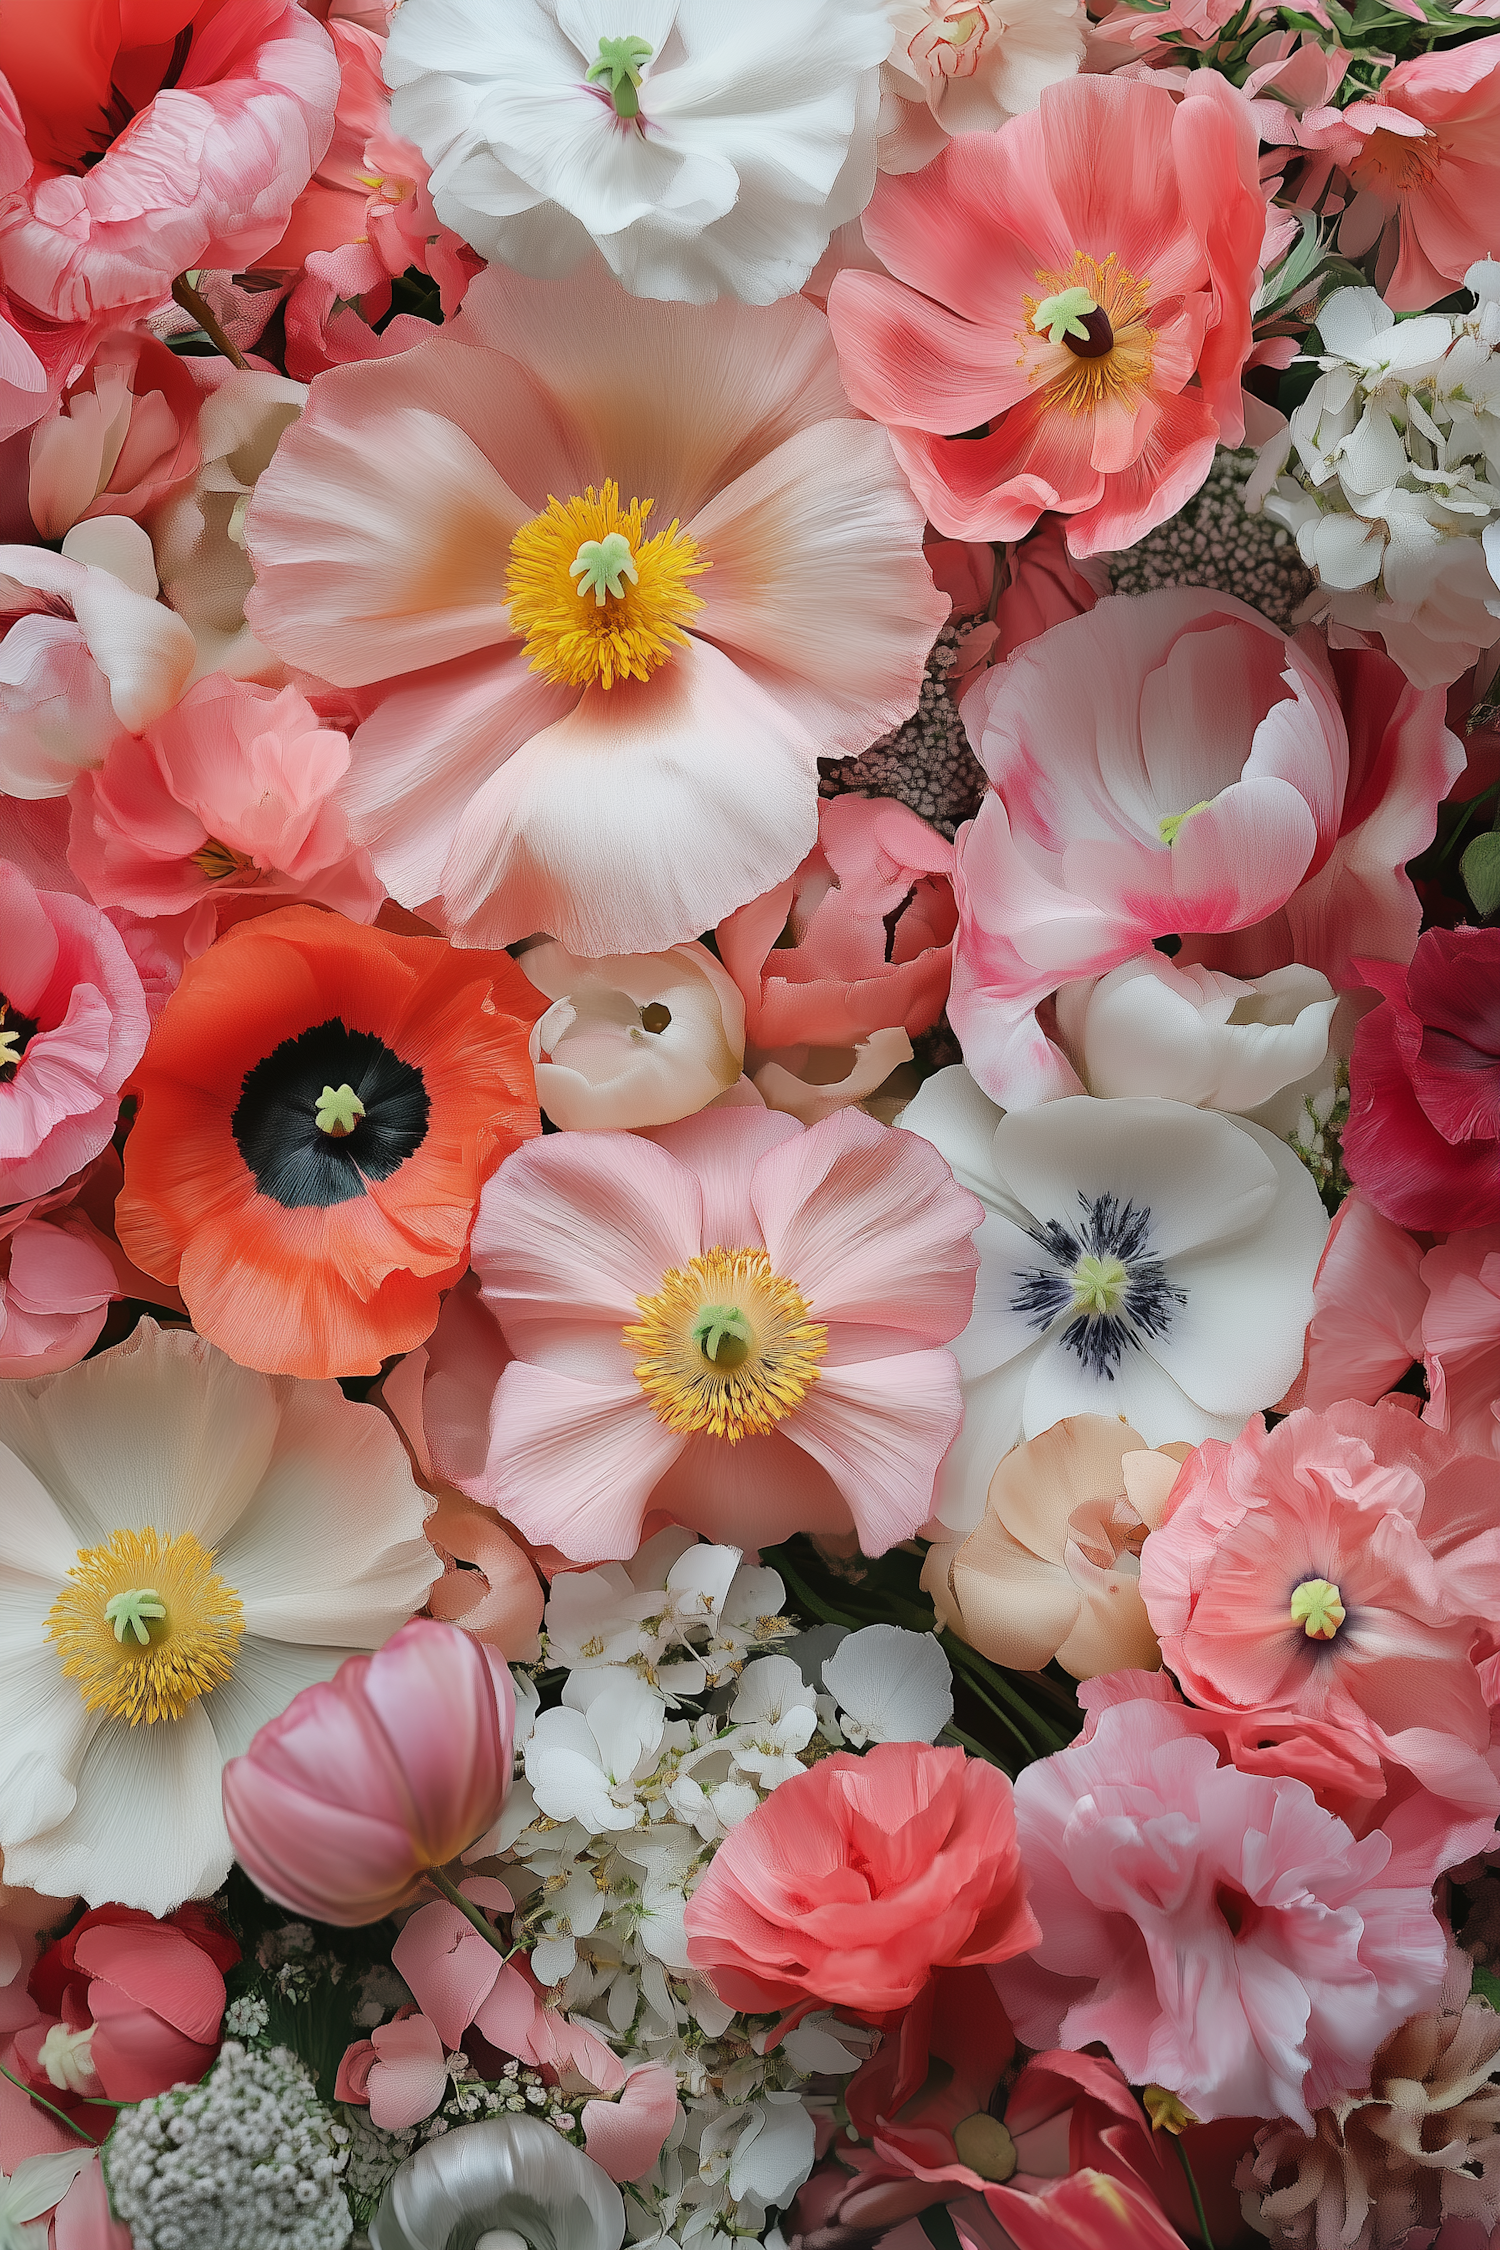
[(395, 1765)]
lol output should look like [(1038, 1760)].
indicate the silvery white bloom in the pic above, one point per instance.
[(1389, 475), (705, 150), (1192, 1034), (36, 2184), (583, 1759), (890, 1685), (775, 1715), (635, 1041), (1137, 1257), (506, 2183)]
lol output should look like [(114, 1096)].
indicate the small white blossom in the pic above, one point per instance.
[(890, 1686), (583, 1759), (775, 1715)]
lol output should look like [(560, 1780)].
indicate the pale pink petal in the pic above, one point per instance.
[(410, 2075), (880, 1429), (574, 1464), (1369, 1298), (626, 2136), (722, 1149), (448, 1966), (752, 1494)]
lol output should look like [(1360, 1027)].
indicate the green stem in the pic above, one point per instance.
[(470, 1912), (1198, 2210), (60, 2114), (1470, 808)]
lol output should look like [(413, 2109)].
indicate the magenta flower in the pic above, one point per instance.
[(733, 1323)]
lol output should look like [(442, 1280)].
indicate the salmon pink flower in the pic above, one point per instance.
[(583, 545), (1080, 282), (733, 1323), (56, 1282), (135, 2004), (123, 432), (400, 2073)]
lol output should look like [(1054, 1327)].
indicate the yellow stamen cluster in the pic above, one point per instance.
[(772, 1354), (1120, 375), (218, 861), (577, 628), (165, 1589)]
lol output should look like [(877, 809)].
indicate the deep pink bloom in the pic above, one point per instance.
[(854, 1881), (396, 1764), (174, 140), (1372, 1503), (1149, 204), (858, 939), (73, 1028), (1423, 1137), (400, 2073), (1174, 765), (230, 796), (149, 1994), (1219, 1931), (841, 1250)]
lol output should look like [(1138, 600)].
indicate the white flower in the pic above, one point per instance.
[(582, 1759), (36, 2184), (764, 2151), (957, 67), (775, 1715), (704, 149), (639, 1040), (890, 1685), (1193, 1034), (184, 1544), (680, 1613), (1137, 1258)]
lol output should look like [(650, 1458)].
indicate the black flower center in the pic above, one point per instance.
[(1099, 340), (16, 1031), (298, 1163), (1102, 1276)]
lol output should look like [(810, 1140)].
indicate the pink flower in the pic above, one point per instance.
[(72, 1028), (1220, 1932), (1045, 586), (1369, 1300), (1344, 1566), (857, 1879), (618, 768), (400, 2073), (859, 939), (1173, 765), (148, 160), (1081, 282), (626, 2135), (396, 1764), (1423, 158), (146, 2013), (1423, 1136), (124, 431), (229, 796), (56, 1282), (1461, 1338), (732, 1323)]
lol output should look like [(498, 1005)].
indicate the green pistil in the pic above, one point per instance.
[(723, 1335), (1098, 1284), (1318, 1608), (620, 64), (135, 1611), (1063, 315), (339, 1111), (603, 565), (1170, 825)]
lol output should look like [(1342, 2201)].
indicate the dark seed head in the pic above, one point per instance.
[(1100, 338)]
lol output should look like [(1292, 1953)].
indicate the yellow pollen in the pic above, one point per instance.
[(726, 1298), (219, 861), (594, 598), (145, 1627), (1318, 1608), (1123, 373), (1167, 2111)]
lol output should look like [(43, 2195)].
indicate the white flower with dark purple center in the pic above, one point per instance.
[(1137, 1258)]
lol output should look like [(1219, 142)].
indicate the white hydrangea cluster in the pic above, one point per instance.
[(248, 2158), (1388, 474)]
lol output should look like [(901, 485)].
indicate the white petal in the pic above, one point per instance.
[(897, 1685)]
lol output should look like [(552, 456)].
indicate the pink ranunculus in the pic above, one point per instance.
[(417, 532), (177, 138), (1172, 765), (73, 1026), (1080, 281), (1461, 1338), (393, 1766), (1220, 1932), (1345, 1567), (400, 2073), (56, 1282), (858, 940), (1422, 154), (124, 431), (857, 1879), (733, 1323), (230, 796), (1423, 1139)]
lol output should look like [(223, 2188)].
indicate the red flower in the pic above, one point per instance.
[(131, 2005), (320, 1105)]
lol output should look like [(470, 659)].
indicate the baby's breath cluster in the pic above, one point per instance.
[(249, 2158), (1213, 542)]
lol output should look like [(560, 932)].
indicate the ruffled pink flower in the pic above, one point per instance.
[(1369, 1298), (396, 1764), (185, 150), (1174, 765), (56, 1283), (1152, 208), (1344, 1566), (229, 796), (121, 434), (150, 1999), (1461, 1338), (72, 1028), (1220, 1932), (400, 2073), (821, 1267), (499, 784), (1423, 158), (1045, 586)]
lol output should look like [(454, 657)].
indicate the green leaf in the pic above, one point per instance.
[(1480, 869), (1486, 1986)]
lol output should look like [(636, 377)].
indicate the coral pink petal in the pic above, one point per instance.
[(135, 2053), (626, 2136), (1370, 1294), (410, 2074), (907, 359), (449, 1967), (159, 1968)]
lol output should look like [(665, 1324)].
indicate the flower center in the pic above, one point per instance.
[(339, 1110), (145, 1626), (618, 66), (1318, 1608), (218, 862), (1100, 1281), (15, 1031), (1098, 312), (1169, 827), (595, 599), (68, 2057), (726, 1346), (1395, 163)]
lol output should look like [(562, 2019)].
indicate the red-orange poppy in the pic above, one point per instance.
[(320, 1105)]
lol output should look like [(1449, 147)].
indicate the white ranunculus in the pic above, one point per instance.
[(890, 1685), (256, 1529), (1137, 1258), (706, 150), (1193, 1034), (639, 1040)]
